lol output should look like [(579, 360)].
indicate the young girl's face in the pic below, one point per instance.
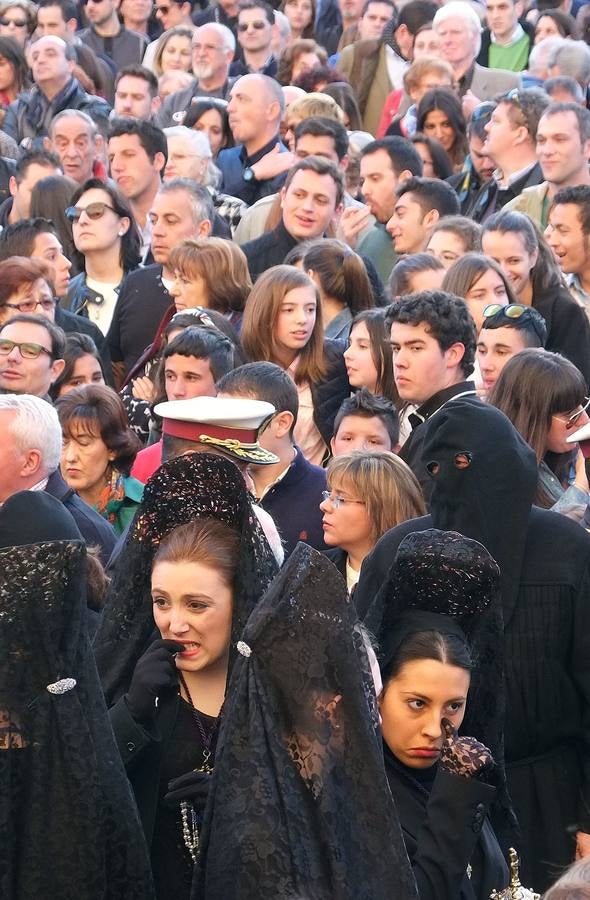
[(296, 319)]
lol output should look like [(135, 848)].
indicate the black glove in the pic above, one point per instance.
[(192, 787), (463, 756), (155, 672)]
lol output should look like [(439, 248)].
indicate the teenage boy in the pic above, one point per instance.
[(291, 489), (433, 343), (503, 334)]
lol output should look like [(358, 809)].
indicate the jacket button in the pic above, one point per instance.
[(480, 808), (131, 746)]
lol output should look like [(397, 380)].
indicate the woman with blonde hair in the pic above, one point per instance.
[(368, 493), (313, 104), (174, 51), (283, 324), (211, 273)]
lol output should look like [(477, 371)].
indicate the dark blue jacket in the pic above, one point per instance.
[(232, 163), (294, 504), (94, 529)]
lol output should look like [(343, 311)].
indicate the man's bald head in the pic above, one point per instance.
[(255, 109)]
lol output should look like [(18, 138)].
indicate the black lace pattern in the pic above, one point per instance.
[(68, 824)]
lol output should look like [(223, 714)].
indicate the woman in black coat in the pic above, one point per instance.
[(443, 785)]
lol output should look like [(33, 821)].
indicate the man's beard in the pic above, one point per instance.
[(203, 71)]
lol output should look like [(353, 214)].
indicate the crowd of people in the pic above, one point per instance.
[(294, 421)]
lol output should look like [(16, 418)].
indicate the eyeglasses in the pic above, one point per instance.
[(18, 23), (570, 421), (514, 311), (94, 211), (26, 349), (259, 25), (29, 306), (164, 10), (336, 500)]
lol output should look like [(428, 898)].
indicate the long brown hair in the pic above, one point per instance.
[(341, 273), (260, 317)]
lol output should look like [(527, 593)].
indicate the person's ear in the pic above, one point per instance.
[(332, 444), (12, 186), (124, 226), (72, 25), (404, 175), (282, 195), (283, 422), (32, 463), (57, 367), (343, 164), (159, 162), (204, 228), (454, 355), (430, 219), (155, 104)]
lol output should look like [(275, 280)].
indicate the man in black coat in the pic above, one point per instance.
[(311, 200), (433, 342), (484, 482), (30, 449)]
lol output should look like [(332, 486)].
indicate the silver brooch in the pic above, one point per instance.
[(62, 686), (243, 648)]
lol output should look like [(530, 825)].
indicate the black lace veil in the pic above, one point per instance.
[(193, 486), (300, 806), (69, 828), (441, 580)]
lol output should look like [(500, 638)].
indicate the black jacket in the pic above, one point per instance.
[(491, 198), (268, 250), (94, 529), (142, 304), (31, 113), (568, 328), (338, 557), (445, 829), (328, 394)]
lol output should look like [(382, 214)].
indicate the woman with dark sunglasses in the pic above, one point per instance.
[(544, 396), (107, 241)]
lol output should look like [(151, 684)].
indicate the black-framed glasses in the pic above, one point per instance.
[(572, 419), (513, 311), (26, 349), (259, 25), (29, 306), (94, 211)]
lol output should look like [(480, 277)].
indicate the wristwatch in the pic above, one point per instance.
[(248, 175)]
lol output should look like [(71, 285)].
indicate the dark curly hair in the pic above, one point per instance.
[(100, 409), (447, 317)]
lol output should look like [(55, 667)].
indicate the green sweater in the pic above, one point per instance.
[(514, 57)]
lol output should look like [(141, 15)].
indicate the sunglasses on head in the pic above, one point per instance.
[(512, 311), (93, 211), (259, 25), (27, 349), (483, 112)]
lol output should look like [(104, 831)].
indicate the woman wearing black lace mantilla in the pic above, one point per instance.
[(69, 829), (195, 564)]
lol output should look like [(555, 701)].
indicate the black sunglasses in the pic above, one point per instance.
[(257, 26)]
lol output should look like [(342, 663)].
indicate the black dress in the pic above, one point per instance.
[(449, 839), (172, 748)]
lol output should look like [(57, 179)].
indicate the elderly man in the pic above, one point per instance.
[(30, 449), (459, 29), (55, 89), (213, 50), (189, 156), (78, 143)]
